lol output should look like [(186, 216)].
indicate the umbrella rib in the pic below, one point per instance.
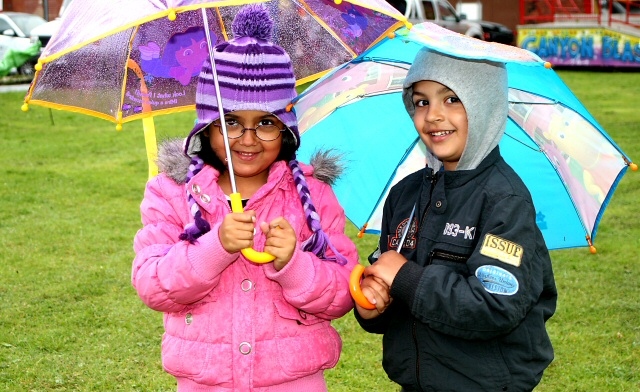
[(521, 142), (223, 29), (304, 5), (383, 60), (125, 77)]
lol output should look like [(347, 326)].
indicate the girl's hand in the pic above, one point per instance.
[(236, 231), (281, 241), (376, 292)]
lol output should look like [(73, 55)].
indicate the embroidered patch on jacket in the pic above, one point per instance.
[(497, 280), (455, 230), (410, 241), (501, 249)]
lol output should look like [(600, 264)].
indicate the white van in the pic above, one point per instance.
[(45, 31)]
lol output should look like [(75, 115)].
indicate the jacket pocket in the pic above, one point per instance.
[(205, 363), (288, 312), (305, 343), (475, 365)]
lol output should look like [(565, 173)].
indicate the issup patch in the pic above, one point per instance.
[(497, 280), (501, 249)]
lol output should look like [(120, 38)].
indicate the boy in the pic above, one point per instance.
[(463, 306)]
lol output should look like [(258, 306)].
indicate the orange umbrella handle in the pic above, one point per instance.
[(356, 291), (249, 253)]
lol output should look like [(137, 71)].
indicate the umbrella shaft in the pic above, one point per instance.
[(406, 229), (223, 125)]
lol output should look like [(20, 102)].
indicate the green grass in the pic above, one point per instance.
[(70, 320)]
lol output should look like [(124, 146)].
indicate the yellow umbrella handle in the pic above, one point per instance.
[(356, 291), (249, 253)]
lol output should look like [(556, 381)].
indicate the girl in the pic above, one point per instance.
[(231, 324)]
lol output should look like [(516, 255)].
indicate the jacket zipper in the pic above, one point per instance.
[(446, 256), (434, 179)]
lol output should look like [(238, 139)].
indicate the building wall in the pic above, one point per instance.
[(507, 12), (500, 11), (33, 7)]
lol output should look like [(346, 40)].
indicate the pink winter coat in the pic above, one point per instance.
[(231, 324)]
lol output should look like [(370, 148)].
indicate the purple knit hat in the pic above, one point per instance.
[(253, 74)]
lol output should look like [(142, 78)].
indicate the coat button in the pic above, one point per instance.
[(246, 285), (438, 204), (195, 188), (205, 198), (188, 319), (245, 348)]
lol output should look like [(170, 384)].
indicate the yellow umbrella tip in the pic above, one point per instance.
[(547, 65), (337, 1), (633, 167), (118, 127), (172, 15), (361, 232), (25, 107), (38, 66), (592, 249)]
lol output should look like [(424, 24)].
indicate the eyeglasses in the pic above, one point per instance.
[(264, 131)]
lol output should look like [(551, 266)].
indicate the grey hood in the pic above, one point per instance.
[(482, 88)]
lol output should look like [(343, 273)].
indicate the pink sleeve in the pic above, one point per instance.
[(168, 273), (318, 286)]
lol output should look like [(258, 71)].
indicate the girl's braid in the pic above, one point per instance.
[(199, 226), (318, 241)]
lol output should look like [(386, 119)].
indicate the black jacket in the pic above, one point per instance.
[(470, 306)]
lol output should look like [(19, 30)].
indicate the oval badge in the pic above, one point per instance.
[(497, 280)]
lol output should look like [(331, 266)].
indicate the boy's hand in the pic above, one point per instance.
[(387, 266), (236, 231), (281, 241), (376, 292)]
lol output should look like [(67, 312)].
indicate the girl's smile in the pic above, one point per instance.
[(251, 156)]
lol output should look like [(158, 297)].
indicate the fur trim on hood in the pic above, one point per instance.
[(175, 164)]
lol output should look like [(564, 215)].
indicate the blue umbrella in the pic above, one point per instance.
[(566, 159)]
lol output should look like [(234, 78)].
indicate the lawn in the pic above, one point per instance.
[(70, 321)]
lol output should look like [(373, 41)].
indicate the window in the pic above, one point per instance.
[(4, 25), (429, 13), (447, 13)]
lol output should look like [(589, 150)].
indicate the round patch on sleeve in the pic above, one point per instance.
[(497, 280)]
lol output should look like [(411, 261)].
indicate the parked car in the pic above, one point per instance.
[(45, 31), (442, 13), (496, 32), (15, 35)]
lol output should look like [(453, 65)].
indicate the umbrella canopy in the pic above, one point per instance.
[(568, 162), (123, 60)]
